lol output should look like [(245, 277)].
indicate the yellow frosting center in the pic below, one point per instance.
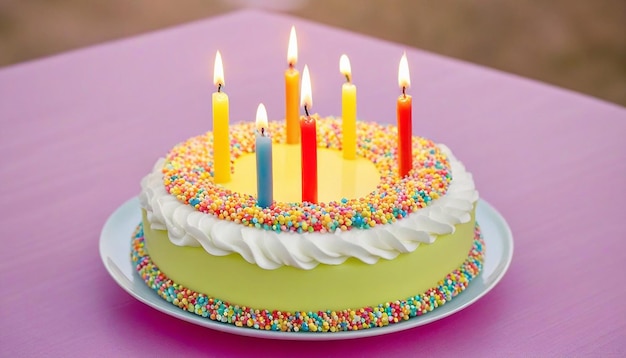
[(338, 178)]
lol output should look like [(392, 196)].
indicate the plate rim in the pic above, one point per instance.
[(167, 308)]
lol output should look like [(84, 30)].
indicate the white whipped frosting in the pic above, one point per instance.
[(270, 250)]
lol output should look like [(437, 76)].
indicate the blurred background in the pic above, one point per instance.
[(576, 44)]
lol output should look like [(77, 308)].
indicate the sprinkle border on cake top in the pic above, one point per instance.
[(188, 175)]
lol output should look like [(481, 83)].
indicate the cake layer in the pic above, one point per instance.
[(374, 237), (327, 287), (326, 321)]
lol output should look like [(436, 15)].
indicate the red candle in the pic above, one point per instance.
[(308, 140), (405, 124)]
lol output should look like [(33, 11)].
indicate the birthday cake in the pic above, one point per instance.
[(375, 250)]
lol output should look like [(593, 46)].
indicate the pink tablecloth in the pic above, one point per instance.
[(79, 130)]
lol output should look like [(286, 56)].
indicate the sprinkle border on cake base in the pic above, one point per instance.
[(381, 315)]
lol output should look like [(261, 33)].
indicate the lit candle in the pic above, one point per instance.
[(405, 127), (264, 181), (292, 91), (221, 141), (348, 110), (309, 143)]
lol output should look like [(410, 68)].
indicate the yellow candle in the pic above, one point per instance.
[(348, 110), (292, 91), (221, 139)]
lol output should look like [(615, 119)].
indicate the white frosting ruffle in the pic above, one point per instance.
[(270, 250)]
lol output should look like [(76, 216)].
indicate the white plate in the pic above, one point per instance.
[(115, 252)]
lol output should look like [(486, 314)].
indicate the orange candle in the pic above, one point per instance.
[(405, 124), (292, 91), (309, 143)]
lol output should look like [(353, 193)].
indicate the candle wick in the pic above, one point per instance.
[(348, 78), (404, 91), (219, 87), (306, 110), (291, 65), (262, 131)]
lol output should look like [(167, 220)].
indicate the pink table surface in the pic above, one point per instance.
[(79, 130)]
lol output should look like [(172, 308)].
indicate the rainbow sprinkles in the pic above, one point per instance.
[(380, 315), (187, 174)]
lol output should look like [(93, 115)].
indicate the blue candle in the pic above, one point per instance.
[(264, 182)]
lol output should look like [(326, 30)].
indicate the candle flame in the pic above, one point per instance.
[(218, 71), (344, 67), (261, 119), (306, 99), (292, 50), (404, 77)]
